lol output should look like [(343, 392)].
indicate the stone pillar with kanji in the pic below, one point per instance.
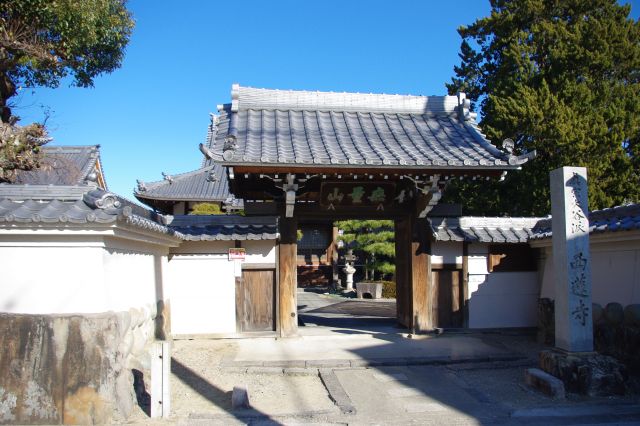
[(571, 259)]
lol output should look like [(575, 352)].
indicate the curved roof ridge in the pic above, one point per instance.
[(156, 183), (243, 98)]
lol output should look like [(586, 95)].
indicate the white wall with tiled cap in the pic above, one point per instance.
[(201, 284), (64, 271), (446, 252), (500, 299), (615, 268)]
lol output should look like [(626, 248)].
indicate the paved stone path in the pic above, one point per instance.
[(363, 374)]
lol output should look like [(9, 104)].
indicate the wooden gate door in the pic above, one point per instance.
[(448, 298), (255, 300)]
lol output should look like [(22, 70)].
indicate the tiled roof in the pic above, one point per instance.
[(98, 206), (274, 127), (205, 184), (63, 165), (484, 229), (620, 218), (222, 227)]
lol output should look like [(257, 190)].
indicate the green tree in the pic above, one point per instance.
[(44, 41), (563, 78), (206, 209), (376, 239)]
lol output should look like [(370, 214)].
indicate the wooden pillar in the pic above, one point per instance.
[(403, 280), (421, 291), (287, 285), (465, 284), (413, 275)]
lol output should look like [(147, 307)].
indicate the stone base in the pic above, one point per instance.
[(586, 373), (544, 382), (373, 289)]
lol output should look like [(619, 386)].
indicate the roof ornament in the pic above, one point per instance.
[(508, 145), (92, 177), (464, 108), (142, 187), (167, 177), (229, 148), (205, 151), (212, 177), (99, 199)]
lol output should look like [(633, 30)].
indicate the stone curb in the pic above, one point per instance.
[(336, 392), (608, 410), (375, 362), (253, 417)]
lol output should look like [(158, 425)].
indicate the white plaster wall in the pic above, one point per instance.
[(201, 284), (39, 279), (201, 289), (131, 278), (79, 273), (446, 252), (260, 251), (503, 299), (500, 299), (615, 272)]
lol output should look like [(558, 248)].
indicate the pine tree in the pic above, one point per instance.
[(375, 238), (560, 77)]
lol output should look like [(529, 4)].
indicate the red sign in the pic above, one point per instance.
[(237, 253)]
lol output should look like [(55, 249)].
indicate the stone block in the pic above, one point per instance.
[(632, 315), (296, 371), (614, 314), (598, 313), (586, 373), (373, 289), (83, 374), (328, 363), (240, 397), (265, 370), (544, 382)]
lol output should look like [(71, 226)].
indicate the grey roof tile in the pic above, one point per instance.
[(192, 186), (620, 218), (483, 229), (223, 227), (62, 165), (277, 127), (99, 206)]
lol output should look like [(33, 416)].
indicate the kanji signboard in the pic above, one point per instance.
[(335, 195)]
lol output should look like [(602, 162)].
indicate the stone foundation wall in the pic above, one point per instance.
[(616, 330), (73, 369)]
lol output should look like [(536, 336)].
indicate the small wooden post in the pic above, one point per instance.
[(464, 292), (287, 296), (160, 374)]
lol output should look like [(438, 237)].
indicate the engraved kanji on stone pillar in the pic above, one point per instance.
[(571, 259)]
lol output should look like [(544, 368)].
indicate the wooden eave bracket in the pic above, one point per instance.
[(290, 189), (430, 193)]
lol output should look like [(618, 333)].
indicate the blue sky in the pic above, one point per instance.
[(150, 115)]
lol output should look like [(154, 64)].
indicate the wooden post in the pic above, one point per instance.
[(465, 284), (160, 376), (403, 280), (413, 275), (287, 288), (420, 261)]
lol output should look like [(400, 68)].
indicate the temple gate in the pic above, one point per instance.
[(327, 156)]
